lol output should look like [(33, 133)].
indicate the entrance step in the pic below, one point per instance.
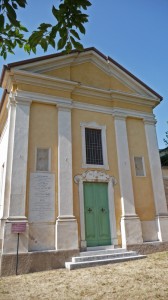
[(102, 257)]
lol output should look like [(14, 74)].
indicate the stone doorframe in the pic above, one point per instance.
[(96, 176)]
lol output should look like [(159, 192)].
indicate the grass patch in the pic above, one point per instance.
[(142, 279)]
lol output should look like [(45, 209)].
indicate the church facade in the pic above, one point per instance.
[(79, 160)]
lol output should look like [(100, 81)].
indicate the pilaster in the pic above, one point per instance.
[(130, 224), (16, 174), (66, 224), (157, 180)]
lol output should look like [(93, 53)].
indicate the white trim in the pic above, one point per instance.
[(91, 56), (43, 80), (143, 166), (48, 64), (37, 97), (104, 145), (155, 168), (124, 166), (96, 176), (49, 159), (65, 187), (110, 94)]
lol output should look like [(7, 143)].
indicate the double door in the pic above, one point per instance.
[(97, 224)]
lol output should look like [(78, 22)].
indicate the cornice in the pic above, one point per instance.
[(42, 80), (49, 64), (133, 84), (84, 90), (69, 103), (76, 88), (110, 95), (41, 98)]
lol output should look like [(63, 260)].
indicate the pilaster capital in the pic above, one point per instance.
[(15, 100), (118, 115), (64, 106), (11, 102), (151, 120)]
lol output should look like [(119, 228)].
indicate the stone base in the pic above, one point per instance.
[(66, 233), (9, 242), (149, 247), (149, 231), (162, 228), (35, 261), (131, 231), (41, 236)]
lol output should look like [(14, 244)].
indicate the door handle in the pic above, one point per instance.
[(103, 210), (89, 210)]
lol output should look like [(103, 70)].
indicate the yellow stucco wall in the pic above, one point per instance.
[(43, 133), (63, 73), (142, 186), (81, 73)]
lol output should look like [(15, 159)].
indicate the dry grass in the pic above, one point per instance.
[(141, 279)]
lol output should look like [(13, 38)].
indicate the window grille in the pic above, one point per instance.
[(93, 141)]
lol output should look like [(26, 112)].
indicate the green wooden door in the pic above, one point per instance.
[(97, 225)]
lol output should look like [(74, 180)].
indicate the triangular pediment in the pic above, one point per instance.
[(88, 68), (89, 74)]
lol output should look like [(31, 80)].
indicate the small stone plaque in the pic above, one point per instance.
[(42, 197), (18, 227)]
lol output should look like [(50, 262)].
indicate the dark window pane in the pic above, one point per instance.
[(94, 154)]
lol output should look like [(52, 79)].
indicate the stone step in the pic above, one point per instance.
[(101, 256), (85, 264), (101, 252)]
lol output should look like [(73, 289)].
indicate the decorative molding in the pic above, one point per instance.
[(43, 80), (27, 73), (11, 101), (94, 176), (64, 106), (150, 120), (50, 64), (41, 98), (129, 81), (68, 102), (119, 115), (109, 95)]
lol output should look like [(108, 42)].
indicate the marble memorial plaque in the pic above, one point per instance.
[(42, 161), (42, 197)]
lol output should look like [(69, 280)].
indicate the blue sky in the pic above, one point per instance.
[(133, 32)]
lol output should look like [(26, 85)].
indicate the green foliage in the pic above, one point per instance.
[(164, 160), (69, 23), (11, 30), (166, 139)]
